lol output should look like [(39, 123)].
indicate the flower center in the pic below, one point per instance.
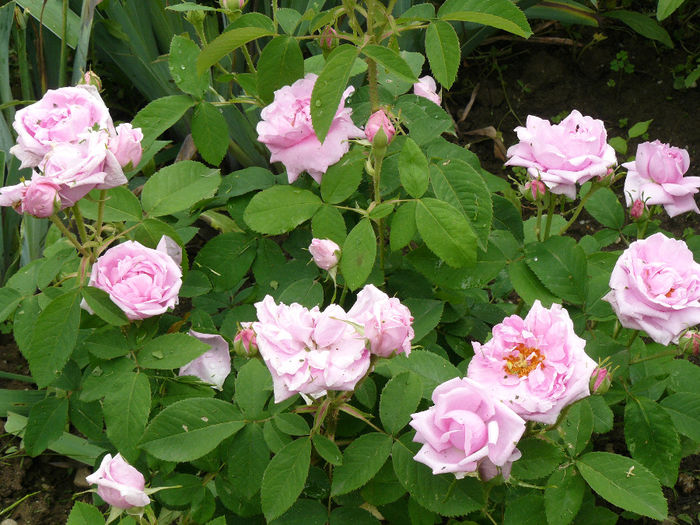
[(523, 360)]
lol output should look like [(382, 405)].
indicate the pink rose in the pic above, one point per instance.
[(119, 484), (62, 116), (637, 209), (386, 322), (536, 365), (564, 154), (656, 177), (487, 470), (536, 188), (655, 287), (426, 88), (286, 130), (126, 145), (325, 253), (214, 365), (465, 427), (328, 39), (309, 351), (600, 380), (244, 342), (41, 198), (378, 120), (91, 78), (143, 282)]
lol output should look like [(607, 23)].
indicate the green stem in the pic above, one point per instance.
[(100, 214), (373, 87), (665, 353), (550, 213), (81, 50), (248, 59), (64, 48), (16, 377), (579, 208), (642, 228), (69, 235), (538, 226), (378, 199), (634, 336), (80, 223)]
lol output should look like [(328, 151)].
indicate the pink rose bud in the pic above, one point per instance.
[(600, 380), (214, 365), (378, 120), (126, 145), (536, 188), (233, 4), (637, 209), (119, 484), (244, 343), (325, 253), (41, 198), (690, 342), (427, 88), (143, 282), (91, 78), (328, 39)]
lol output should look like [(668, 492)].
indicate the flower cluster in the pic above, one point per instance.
[(529, 371), (313, 351), (69, 140)]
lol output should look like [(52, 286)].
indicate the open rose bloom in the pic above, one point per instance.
[(655, 287), (656, 177), (565, 154), (536, 365), (466, 427), (309, 351), (143, 282), (286, 130), (119, 484)]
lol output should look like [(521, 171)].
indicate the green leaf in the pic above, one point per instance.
[(170, 351), (501, 14), (639, 129), (328, 223), (281, 63), (684, 409), (460, 185), (424, 119), (342, 179), (403, 226), (183, 70), (352, 516), (528, 286), (84, 514), (563, 496), (9, 299), (400, 398), (426, 315), (126, 413), (120, 205), (329, 87), (525, 509), (303, 512), (225, 259), (285, 477), (177, 187), (391, 61), (619, 144), (665, 8), (652, 439), (539, 459), (291, 424), (191, 428), (100, 303), (443, 52), (604, 206), (280, 209), (54, 335), (160, 115), (227, 42), (209, 132), (642, 24), (431, 368), (362, 459), (253, 386), (624, 482), (358, 254), (307, 292), (560, 264), (50, 15), (413, 169), (577, 427), (244, 181), (45, 424), (327, 449), (602, 415), (443, 494), (247, 458), (446, 232)]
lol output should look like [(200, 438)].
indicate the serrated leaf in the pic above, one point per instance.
[(539, 459), (426, 315), (248, 457), (563, 496), (424, 119), (577, 427), (280, 209), (207, 126), (182, 65), (329, 87), (280, 64), (120, 205), (624, 482), (528, 286), (443, 52), (403, 226), (327, 449), (652, 439), (560, 264), (501, 14), (358, 254), (525, 509), (253, 386), (446, 232), (170, 351), (413, 169), (126, 413), (191, 428), (342, 179), (100, 303), (362, 459), (284, 478), (684, 409), (9, 300), (177, 187), (160, 115), (45, 424), (431, 368), (399, 399), (291, 424), (605, 207), (328, 223), (227, 42), (226, 259), (391, 61), (602, 415), (307, 292), (84, 514)]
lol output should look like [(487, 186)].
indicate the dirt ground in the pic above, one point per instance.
[(514, 79)]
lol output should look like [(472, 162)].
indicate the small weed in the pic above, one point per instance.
[(621, 63)]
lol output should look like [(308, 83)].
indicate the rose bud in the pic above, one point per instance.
[(378, 120), (637, 209), (328, 39), (690, 342), (536, 188), (600, 380), (325, 253), (244, 343), (119, 484), (91, 78), (41, 198)]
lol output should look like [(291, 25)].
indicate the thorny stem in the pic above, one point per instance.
[(65, 231), (579, 208), (80, 223), (100, 214)]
